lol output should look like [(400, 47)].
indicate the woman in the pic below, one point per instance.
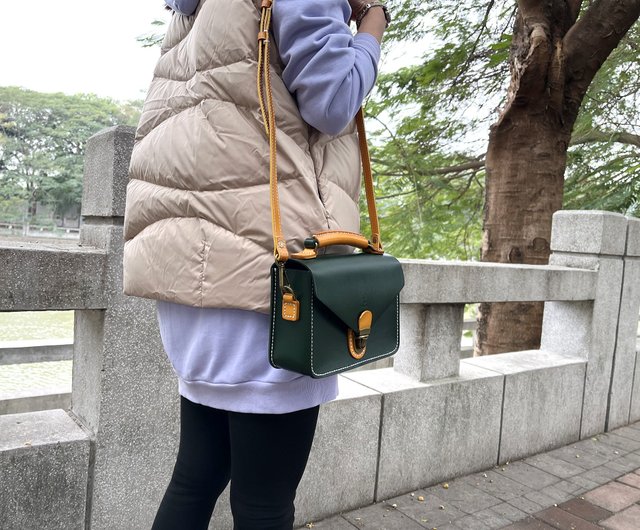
[(198, 233)]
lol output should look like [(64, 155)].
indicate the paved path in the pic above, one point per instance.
[(591, 484)]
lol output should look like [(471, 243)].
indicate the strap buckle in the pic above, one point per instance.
[(283, 281), (290, 304)]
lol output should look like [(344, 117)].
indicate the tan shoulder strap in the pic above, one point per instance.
[(265, 95)]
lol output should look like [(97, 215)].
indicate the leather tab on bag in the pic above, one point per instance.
[(307, 253), (266, 3), (282, 253), (290, 308)]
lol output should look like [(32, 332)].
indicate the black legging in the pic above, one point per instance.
[(264, 456)]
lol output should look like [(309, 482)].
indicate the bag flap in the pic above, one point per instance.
[(350, 284)]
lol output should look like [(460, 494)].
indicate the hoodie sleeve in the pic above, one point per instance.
[(327, 69), (183, 7)]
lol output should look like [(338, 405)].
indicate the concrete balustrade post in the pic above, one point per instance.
[(588, 240), (625, 388), (429, 341), (124, 391)]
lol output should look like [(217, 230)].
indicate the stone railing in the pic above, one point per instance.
[(36, 351), (104, 464)]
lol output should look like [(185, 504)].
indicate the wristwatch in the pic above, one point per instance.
[(363, 12)]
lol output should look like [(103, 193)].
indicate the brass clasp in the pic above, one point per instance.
[(358, 343)]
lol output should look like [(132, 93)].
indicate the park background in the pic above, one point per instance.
[(537, 101), (448, 78)]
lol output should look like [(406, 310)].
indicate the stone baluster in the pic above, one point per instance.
[(588, 240), (429, 340), (624, 404), (124, 391)]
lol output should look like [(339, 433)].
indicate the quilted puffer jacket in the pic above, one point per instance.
[(197, 224)]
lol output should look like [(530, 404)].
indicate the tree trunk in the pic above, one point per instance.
[(517, 219), (554, 57)]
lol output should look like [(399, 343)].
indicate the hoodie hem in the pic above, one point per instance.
[(257, 397)]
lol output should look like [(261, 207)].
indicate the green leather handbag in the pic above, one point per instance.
[(332, 312), (349, 313)]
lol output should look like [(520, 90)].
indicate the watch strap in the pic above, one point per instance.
[(367, 7)]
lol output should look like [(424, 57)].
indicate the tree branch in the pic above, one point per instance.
[(472, 165), (530, 51), (594, 136), (574, 8), (592, 39), (465, 189), (483, 27)]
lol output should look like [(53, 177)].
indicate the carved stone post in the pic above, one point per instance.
[(588, 240), (123, 388), (430, 341), (624, 404)]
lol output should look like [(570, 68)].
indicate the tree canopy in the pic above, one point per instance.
[(42, 139), (433, 119)]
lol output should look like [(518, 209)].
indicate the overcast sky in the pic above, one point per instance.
[(76, 46), (90, 46)]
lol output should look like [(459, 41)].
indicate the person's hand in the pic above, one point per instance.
[(356, 7)]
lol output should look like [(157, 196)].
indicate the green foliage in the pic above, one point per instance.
[(433, 120), (152, 38), (42, 139), (604, 162)]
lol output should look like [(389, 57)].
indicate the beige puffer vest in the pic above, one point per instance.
[(197, 224)]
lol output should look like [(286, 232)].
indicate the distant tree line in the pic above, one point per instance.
[(42, 140)]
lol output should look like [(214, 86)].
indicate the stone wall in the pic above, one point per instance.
[(105, 462)]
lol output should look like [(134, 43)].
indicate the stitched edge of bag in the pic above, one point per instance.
[(364, 361), (343, 369)]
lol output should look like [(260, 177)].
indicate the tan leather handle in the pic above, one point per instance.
[(326, 239), (265, 95), (335, 237)]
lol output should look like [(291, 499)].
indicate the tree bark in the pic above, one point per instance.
[(554, 57)]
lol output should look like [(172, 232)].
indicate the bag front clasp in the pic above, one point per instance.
[(358, 343)]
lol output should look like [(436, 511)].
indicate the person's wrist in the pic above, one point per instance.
[(376, 7)]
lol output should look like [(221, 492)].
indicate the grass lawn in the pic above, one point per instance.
[(36, 325)]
